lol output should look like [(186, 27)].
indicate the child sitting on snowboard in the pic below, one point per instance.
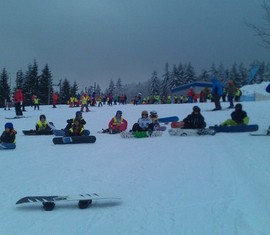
[(77, 129), (154, 118), (238, 117), (42, 124), (195, 120), (144, 123), (117, 124), (71, 121), (9, 134)]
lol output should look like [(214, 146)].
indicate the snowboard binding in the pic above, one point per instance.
[(48, 206), (83, 204)]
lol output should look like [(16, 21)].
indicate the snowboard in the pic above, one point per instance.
[(259, 134), (74, 139), (48, 202), (160, 128), (238, 128), (34, 132), (191, 132), (177, 124), (59, 132), (6, 146), (141, 134), (16, 117), (168, 119)]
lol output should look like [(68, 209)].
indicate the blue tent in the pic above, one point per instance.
[(197, 87)]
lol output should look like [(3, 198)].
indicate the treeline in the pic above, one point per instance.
[(41, 84)]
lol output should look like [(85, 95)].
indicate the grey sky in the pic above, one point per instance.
[(99, 40)]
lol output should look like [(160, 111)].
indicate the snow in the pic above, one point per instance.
[(168, 185)]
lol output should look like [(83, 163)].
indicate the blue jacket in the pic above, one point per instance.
[(217, 88)]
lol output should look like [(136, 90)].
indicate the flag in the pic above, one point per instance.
[(253, 72)]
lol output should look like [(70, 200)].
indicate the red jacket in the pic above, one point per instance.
[(18, 97), (116, 124)]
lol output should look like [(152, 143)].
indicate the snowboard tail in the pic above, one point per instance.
[(74, 139)]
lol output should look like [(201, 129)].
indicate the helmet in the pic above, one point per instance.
[(238, 107), (78, 113), (42, 116), (153, 112), (144, 113), (9, 125), (119, 112), (196, 109)]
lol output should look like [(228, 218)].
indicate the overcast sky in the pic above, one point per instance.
[(101, 40)]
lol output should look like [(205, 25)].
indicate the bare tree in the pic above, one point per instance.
[(263, 31)]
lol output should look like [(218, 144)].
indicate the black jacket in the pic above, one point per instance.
[(194, 121), (8, 137), (238, 116)]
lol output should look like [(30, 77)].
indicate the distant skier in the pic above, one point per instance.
[(18, 100), (231, 93), (217, 91)]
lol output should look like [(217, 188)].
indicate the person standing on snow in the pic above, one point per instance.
[(217, 91)]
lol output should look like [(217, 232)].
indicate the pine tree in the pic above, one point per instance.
[(118, 87), (45, 85), (189, 74), (65, 91), (165, 83), (31, 82), (154, 84), (4, 87), (74, 89)]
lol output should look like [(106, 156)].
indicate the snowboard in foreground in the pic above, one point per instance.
[(238, 128), (34, 132), (191, 132), (48, 202), (74, 139), (6, 146), (140, 134)]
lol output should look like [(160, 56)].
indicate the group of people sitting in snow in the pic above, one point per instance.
[(75, 126)]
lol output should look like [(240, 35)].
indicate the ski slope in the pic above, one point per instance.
[(168, 185)]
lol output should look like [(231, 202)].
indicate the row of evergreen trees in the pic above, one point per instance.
[(31, 82)]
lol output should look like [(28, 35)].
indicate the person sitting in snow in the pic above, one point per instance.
[(42, 124), (144, 123), (154, 118), (117, 124), (71, 121), (238, 117), (195, 120), (9, 134), (77, 129)]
